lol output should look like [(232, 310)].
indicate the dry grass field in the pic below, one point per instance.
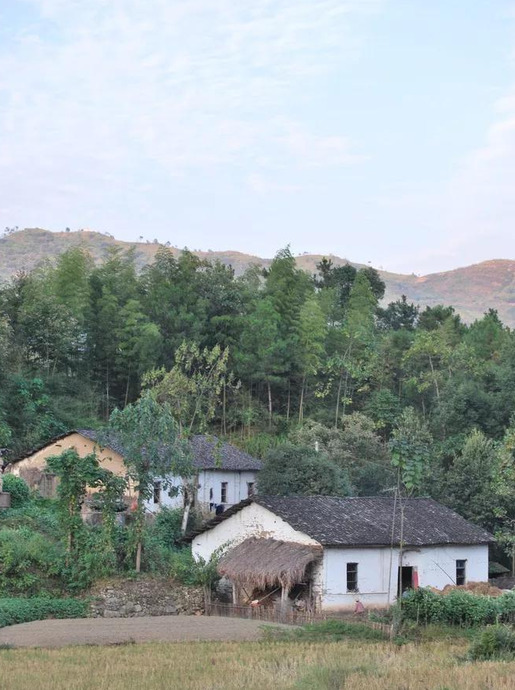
[(274, 665)]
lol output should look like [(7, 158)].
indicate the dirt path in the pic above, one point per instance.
[(103, 631)]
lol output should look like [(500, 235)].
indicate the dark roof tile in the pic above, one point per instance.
[(209, 453), (364, 521)]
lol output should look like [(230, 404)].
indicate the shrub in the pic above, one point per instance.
[(291, 470), (31, 563), (167, 526), (40, 515), (494, 642), (20, 492), (14, 611), (459, 607)]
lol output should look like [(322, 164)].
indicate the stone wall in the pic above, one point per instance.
[(145, 597)]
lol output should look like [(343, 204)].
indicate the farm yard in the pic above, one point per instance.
[(264, 665)]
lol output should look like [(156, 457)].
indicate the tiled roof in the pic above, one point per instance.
[(361, 521), (209, 453)]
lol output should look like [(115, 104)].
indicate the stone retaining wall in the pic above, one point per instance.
[(145, 597)]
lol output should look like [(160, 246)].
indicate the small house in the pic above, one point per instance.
[(223, 474), (329, 552)]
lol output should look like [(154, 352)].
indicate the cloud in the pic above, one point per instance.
[(176, 84), (481, 205)]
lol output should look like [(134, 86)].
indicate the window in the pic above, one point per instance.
[(250, 489), (157, 492), (211, 494), (223, 492), (352, 577), (461, 572)]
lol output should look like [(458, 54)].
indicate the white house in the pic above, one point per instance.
[(340, 549), (223, 474)]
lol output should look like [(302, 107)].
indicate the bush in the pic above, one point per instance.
[(14, 611), (494, 642), (20, 492), (459, 607), (167, 526), (31, 563), (291, 470)]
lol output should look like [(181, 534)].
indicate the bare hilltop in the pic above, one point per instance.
[(471, 290)]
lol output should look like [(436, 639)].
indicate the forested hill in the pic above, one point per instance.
[(471, 290)]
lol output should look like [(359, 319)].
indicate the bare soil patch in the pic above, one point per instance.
[(101, 631)]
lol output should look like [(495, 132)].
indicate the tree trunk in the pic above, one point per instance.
[(338, 402), (127, 388), (301, 403), (224, 419), (269, 405), (190, 499), (435, 381), (289, 402), (138, 555)]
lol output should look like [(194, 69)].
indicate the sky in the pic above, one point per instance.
[(382, 131)]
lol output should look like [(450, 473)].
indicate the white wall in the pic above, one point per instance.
[(436, 567), (237, 489), (251, 521), (237, 486)]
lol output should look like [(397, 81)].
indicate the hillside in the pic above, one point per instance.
[(471, 290)]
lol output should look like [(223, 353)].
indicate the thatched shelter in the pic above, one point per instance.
[(262, 563)]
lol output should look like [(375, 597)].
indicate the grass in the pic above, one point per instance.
[(280, 665)]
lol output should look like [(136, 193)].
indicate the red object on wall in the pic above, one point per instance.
[(415, 579)]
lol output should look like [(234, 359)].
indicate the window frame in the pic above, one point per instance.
[(352, 582), (461, 571), (158, 486), (251, 489), (223, 491)]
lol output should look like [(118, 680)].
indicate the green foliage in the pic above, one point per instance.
[(17, 488), (13, 610), (193, 387), (494, 642), (410, 446), (296, 470), (78, 338), (31, 563), (459, 607), (328, 631), (167, 526)]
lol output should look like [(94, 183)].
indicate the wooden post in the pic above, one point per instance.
[(234, 594), (284, 600)]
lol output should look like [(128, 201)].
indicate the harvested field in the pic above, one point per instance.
[(265, 665), (108, 631)]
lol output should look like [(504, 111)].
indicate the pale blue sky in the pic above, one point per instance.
[(379, 130)]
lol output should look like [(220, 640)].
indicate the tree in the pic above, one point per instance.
[(71, 281), (410, 446), (472, 481), (356, 449), (139, 345), (262, 352), (77, 475), (149, 435), (398, 315), (194, 386), (351, 362), (291, 470), (312, 331)]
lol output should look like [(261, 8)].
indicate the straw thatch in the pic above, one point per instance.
[(262, 563)]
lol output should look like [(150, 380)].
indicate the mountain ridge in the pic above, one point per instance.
[(471, 290)]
